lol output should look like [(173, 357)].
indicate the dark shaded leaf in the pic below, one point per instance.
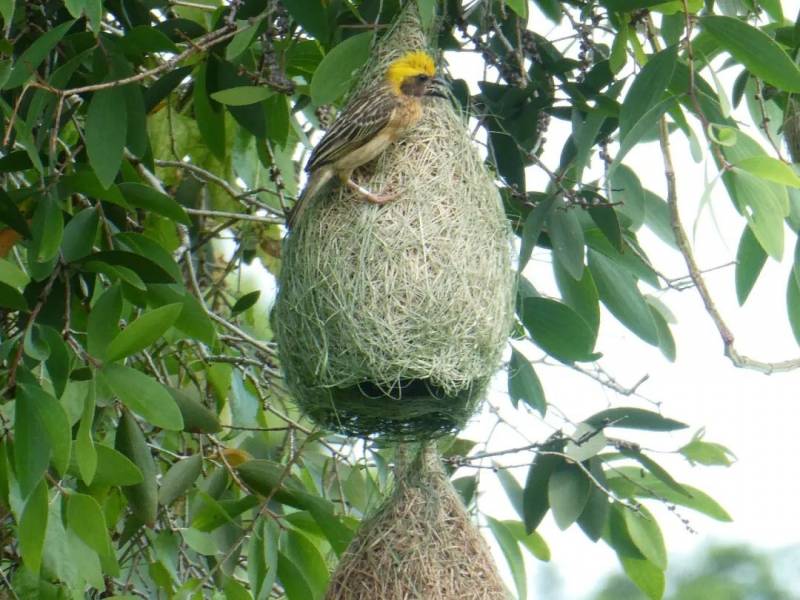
[(106, 130), (634, 418), (557, 329), (142, 497), (523, 383)]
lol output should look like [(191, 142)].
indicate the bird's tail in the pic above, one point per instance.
[(316, 183)]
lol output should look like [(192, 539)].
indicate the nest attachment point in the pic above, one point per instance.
[(420, 545), (392, 319)]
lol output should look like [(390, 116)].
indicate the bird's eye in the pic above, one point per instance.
[(422, 78)]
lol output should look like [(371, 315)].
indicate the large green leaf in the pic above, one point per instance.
[(620, 294), (755, 50), (510, 548), (334, 74), (142, 332), (535, 495), (85, 518), (143, 196), (568, 491), (34, 55), (793, 305), (179, 478), (106, 129), (143, 395), (32, 527), (131, 442), (558, 330), (523, 383), (566, 237), (646, 535), (750, 259), (634, 418)]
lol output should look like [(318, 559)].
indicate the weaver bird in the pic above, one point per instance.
[(368, 125)]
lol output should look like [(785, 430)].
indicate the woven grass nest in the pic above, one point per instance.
[(420, 545), (391, 319)]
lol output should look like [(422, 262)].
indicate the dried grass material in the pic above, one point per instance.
[(392, 319), (420, 545)]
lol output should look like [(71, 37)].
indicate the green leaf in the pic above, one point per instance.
[(647, 486), (634, 418), (707, 453), (750, 259), (519, 6), (103, 323), (210, 118), (568, 491), (33, 56), (50, 419), (85, 452), (11, 298), (793, 305), (646, 535), (7, 11), (512, 488), (106, 128), (31, 450), (130, 441), (143, 196), (534, 223), (242, 40), (32, 527), (85, 518), (605, 217), (764, 205), (646, 576), (242, 95), (294, 584), (196, 417), (143, 395), (245, 302), (79, 234), (566, 236), (307, 558), (47, 227), (114, 468), (180, 477), (557, 329), (523, 383), (334, 74), (535, 496), (627, 190), (427, 12), (533, 542), (145, 268), (619, 54), (580, 295), (620, 294), (769, 168), (762, 56), (312, 16), (142, 332), (510, 548), (594, 518), (646, 92)]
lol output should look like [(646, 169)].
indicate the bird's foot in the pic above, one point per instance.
[(369, 196)]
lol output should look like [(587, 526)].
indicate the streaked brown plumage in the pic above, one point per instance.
[(368, 125)]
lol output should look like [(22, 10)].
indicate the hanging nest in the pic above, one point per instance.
[(392, 319), (421, 545)]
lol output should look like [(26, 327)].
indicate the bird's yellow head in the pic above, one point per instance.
[(413, 75)]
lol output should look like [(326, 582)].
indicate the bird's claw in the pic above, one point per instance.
[(369, 196)]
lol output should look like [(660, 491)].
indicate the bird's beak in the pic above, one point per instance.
[(438, 88)]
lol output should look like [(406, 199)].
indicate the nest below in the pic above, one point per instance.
[(392, 319), (420, 545)]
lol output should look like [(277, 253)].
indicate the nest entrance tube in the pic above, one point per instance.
[(420, 544), (392, 319)]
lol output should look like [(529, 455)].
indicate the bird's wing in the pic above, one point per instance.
[(360, 121)]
